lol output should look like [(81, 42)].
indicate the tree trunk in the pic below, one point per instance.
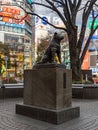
[(74, 56), (76, 68)]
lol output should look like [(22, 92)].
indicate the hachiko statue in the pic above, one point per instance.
[(53, 50)]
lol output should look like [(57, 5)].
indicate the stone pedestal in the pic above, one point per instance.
[(48, 94)]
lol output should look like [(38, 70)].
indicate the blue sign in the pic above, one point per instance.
[(36, 19), (12, 24), (94, 37), (95, 14), (15, 25), (44, 20)]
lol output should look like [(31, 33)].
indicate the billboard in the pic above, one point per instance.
[(10, 14)]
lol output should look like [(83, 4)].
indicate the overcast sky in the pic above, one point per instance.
[(47, 12)]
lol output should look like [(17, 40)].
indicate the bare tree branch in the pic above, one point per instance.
[(81, 8), (47, 21), (70, 4), (44, 5), (58, 2), (58, 12), (74, 2), (92, 31), (67, 14), (87, 44), (86, 12), (78, 4)]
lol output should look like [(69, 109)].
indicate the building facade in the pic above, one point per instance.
[(16, 32)]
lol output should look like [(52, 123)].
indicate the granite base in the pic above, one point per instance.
[(48, 115)]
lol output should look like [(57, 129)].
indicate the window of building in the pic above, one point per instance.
[(15, 29)]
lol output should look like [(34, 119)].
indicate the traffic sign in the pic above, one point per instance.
[(44, 20), (36, 19)]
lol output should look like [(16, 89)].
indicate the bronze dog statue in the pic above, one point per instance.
[(53, 50)]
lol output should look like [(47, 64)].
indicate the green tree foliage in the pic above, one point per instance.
[(4, 51)]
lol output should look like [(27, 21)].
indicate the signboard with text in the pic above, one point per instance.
[(95, 24), (41, 24), (11, 15), (90, 20)]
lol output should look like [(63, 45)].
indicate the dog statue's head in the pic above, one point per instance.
[(58, 37)]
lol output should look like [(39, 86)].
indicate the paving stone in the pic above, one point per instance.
[(88, 119)]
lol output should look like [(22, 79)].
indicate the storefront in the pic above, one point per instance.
[(16, 32)]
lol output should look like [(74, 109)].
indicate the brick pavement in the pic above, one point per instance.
[(88, 119)]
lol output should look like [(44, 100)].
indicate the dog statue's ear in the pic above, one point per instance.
[(55, 34)]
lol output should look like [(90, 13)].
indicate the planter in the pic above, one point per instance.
[(85, 91)]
